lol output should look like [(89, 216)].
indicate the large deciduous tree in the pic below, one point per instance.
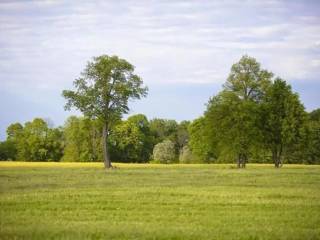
[(282, 119), (234, 125), (247, 80), (234, 112), (102, 92)]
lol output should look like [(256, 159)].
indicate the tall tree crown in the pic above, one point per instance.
[(104, 88), (247, 79)]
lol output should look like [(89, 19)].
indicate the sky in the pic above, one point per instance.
[(183, 50)]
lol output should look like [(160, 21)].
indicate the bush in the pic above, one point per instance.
[(186, 155), (164, 152), (8, 150)]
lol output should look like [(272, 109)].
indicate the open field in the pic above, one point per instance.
[(136, 201)]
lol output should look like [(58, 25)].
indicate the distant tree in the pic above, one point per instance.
[(315, 115), (35, 141), (186, 155), (202, 141), (163, 129), (282, 119), (182, 134), (73, 139), (306, 148), (164, 152), (312, 140), (15, 138), (146, 140), (247, 80), (33, 144), (82, 140), (55, 144), (233, 113), (235, 125), (103, 91), (130, 140), (8, 150), (14, 131), (141, 122)]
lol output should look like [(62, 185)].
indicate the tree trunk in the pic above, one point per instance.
[(279, 156), (274, 158), (239, 161), (107, 162), (279, 161), (244, 160)]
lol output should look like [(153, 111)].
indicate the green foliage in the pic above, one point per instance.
[(104, 89), (131, 140), (163, 129), (15, 137), (82, 140), (312, 148), (233, 123), (54, 144), (14, 132), (247, 80), (243, 91), (202, 142), (34, 136), (182, 134), (254, 118), (315, 115), (35, 141), (102, 92), (231, 120), (164, 152), (186, 155), (282, 119), (8, 150), (306, 149)]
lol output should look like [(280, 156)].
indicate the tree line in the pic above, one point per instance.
[(80, 139), (255, 118)]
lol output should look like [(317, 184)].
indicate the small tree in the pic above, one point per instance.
[(164, 152), (8, 150), (202, 141), (186, 155), (103, 91), (131, 140)]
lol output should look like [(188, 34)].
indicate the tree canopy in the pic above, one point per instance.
[(256, 117), (103, 91)]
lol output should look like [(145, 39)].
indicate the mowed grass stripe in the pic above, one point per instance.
[(145, 201)]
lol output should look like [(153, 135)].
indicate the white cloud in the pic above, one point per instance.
[(168, 41), (315, 63)]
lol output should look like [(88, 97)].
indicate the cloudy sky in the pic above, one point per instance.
[(183, 50)]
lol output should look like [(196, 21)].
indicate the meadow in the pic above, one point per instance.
[(145, 201)]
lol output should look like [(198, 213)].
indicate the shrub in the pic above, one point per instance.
[(186, 155), (164, 152)]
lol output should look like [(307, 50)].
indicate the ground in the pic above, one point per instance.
[(83, 201)]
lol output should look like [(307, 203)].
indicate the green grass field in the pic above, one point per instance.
[(82, 201)]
